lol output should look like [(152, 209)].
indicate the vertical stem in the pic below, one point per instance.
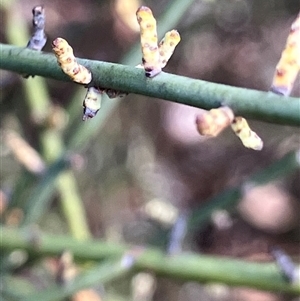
[(40, 105)]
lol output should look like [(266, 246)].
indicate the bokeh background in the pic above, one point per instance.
[(140, 163)]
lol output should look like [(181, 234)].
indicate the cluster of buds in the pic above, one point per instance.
[(212, 123), (155, 56), (79, 74)]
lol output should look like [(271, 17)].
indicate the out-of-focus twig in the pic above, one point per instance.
[(229, 198), (41, 111), (66, 272), (36, 89), (24, 153), (186, 267), (103, 273), (286, 265), (37, 203)]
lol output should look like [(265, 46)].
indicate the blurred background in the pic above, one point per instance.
[(140, 163)]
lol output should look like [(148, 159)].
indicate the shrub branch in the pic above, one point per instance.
[(185, 267), (264, 106)]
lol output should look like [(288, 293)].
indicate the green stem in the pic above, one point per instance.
[(70, 200), (184, 267), (229, 198), (264, 106), (39, 103), (72, 205), (103, 274), (38, 200)]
